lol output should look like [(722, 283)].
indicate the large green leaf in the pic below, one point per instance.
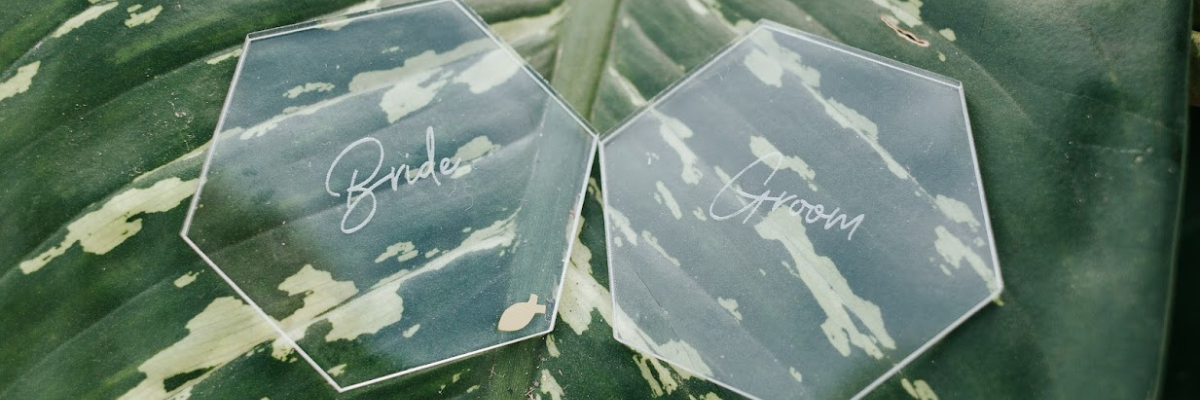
[(1078, 111)]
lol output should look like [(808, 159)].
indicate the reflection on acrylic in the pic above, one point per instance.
[(384, 186), (796, 218)]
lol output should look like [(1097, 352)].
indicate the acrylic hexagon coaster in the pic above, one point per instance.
[(796, 218), (392, 190)]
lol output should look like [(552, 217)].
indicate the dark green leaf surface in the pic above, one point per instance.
[(1080, 153), (1078, 111)]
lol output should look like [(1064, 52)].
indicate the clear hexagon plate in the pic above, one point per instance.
[(796, 218), (391, 190)]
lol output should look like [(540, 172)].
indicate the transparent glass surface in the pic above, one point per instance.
[(796, 218), (393, 190)]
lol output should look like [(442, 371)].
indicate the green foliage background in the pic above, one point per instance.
[(1078, 108)]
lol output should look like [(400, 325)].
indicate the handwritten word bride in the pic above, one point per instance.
[(363, 189)]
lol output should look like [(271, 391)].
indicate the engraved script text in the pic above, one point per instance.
[(808, 212), (363, 189)]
